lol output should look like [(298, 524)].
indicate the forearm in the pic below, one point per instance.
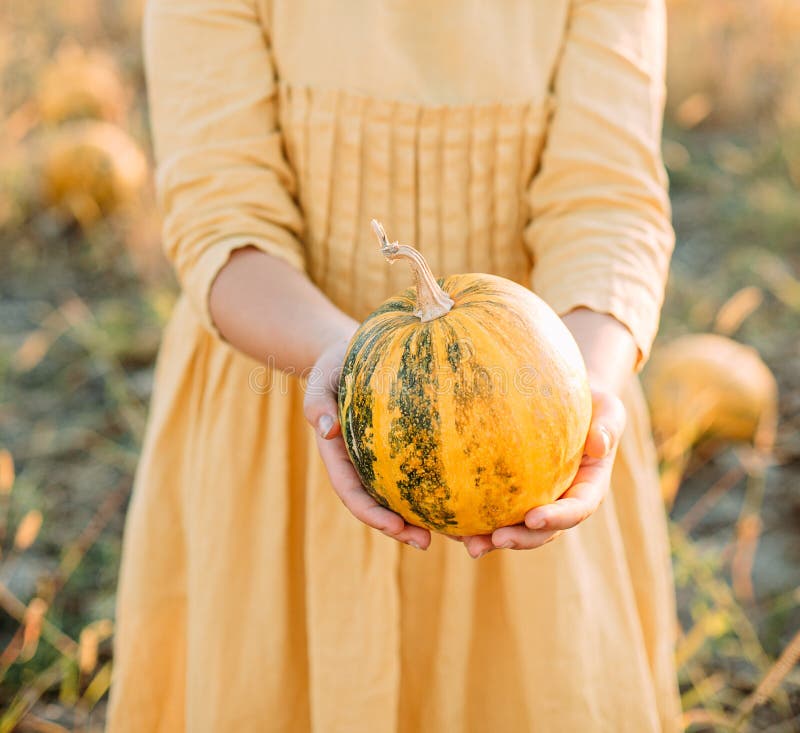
[(607, 346), (269, 310)]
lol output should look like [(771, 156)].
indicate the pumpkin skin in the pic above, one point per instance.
[(464, 423)]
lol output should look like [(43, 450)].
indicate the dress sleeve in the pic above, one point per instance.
[(600, 231), (222, 179)]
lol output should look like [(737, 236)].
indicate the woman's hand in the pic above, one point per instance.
[(320, 406), (267, 309), (610, 354), (589, 487)]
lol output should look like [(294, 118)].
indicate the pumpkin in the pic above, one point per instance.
[(81, 83), (90, 169), (463, 402), (705, 385)]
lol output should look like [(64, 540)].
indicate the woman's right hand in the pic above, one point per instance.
[(321, 410)]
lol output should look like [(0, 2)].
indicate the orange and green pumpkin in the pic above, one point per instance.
[(463, 402)]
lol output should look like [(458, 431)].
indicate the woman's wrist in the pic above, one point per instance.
[(607, 346), (339, 332), (271, 311)]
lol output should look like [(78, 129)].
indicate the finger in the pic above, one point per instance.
[(519, 537), (347, 485), (592, 480), (608, 422), (577, 503), (320, 404), (410, 534), (478, 545)]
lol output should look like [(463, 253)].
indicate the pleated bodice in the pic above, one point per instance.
[(450, 179)]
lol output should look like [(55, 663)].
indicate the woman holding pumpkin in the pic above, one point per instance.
[(520, 139)]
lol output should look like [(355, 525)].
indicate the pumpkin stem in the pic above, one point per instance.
[(432, 301)]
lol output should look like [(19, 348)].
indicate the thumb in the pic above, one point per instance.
[(608, 423), (319, 403)]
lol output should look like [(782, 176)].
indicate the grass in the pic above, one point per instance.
[(738, 227), (82, 308)]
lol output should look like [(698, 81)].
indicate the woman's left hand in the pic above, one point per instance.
[(609, 353), (590, 486)]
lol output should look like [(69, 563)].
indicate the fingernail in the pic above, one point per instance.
[(413, 544), (538, 523), (325, 425), (508, 545), (606, 437), (483, 552)]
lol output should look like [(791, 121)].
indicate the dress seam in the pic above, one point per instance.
[(487, 104)]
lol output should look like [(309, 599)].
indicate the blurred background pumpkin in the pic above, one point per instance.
[(81, 82), (91, 169), (707, 387)]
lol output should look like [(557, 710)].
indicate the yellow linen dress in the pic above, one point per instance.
[(518, 137)]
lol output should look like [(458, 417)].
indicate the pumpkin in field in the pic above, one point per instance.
[(81, 83), (463, 403), (705, 385), (90, 169)]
